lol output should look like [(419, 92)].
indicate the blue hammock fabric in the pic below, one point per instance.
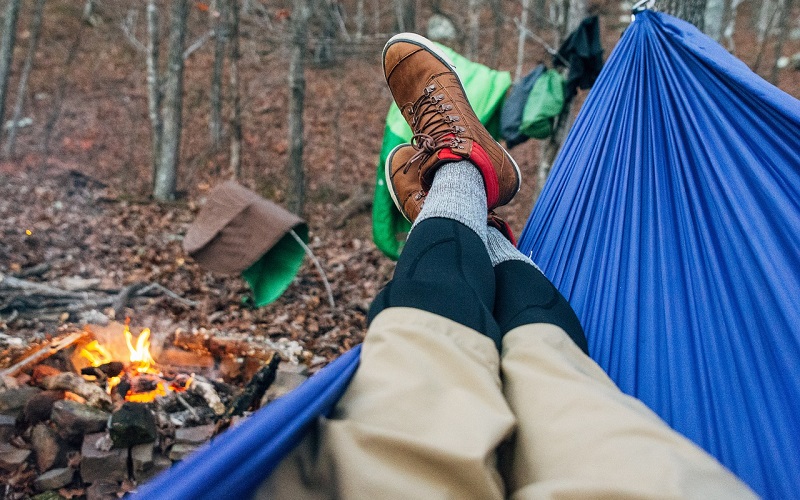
[(235, 463), (671, 222)]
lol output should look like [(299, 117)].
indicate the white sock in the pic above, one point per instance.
[(457, 193)]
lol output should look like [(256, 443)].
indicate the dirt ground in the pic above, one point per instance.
[(83, 209)]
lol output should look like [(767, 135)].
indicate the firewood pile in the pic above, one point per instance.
[(92, 414)]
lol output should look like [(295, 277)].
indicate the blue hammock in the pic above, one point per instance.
[(671, 222)]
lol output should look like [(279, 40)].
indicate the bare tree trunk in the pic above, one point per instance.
[(236, 104), (552, 146), (55, 111), (360, 20), (215, 119), (783, 33), (297, 90), (765, 23), (405, 15), (692, 11), (576, 12), (323, 51), (153, 87), (7, 51), (474, 30), (172, 105), (497, 16), (22, 88), (523, 26)]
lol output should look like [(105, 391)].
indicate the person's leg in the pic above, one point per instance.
[(424, 413), (578, 435)]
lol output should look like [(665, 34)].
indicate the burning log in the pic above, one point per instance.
[(95, 396), (206, 389), (54, 347), (255, 389)]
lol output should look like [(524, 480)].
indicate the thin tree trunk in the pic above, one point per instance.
[(497, 16), (7, 51), (22, 89), (552, 146), (236, 104), (763, 31), (153, 87), (523, 26), (172, 104), (783, 33), (405, 15), (360, 20), (576, 12), (60, 90), (474, 31), (215, 119), (297, 89)]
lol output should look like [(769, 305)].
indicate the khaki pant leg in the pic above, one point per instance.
[(579, 436), (421, 418)]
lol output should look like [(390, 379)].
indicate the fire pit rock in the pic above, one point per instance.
[(73, 420), (132, 424), (54, 479)]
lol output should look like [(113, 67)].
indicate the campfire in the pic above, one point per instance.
[(107, 408), (139, 380)]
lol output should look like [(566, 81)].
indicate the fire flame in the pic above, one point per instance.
[(140, 362), (140, 357)]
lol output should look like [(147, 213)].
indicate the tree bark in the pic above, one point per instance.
[(172, 105), (474, 30), (576, 11), (7, 51), (22, 88), (405, 15), (783, 33), (236, 104), (220, 33), (692, 11), (523, 25), (551, 147), (360, 20), (297, 89), (153, 87)]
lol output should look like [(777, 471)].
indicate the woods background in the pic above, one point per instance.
[(119, 116)]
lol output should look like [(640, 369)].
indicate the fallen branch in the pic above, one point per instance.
[(316, 264), (43, 353)]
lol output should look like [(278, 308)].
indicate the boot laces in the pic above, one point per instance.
[(433, 128)]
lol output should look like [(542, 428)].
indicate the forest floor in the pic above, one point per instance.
[(82, 210)]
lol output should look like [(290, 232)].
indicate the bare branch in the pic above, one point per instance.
[(198, 43), (128, 26)]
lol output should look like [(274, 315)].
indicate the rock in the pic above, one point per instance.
[(48, 495), (74, 420), (99, 465), (159, 465), (54, 479), (179, 451), (441, 28), (12, 401), (7, 427), (132, 424), (40, 406), (67, 381), (285, 382), (11, 457), (46, 448), (141, 459), (102, 490), (194, 435)]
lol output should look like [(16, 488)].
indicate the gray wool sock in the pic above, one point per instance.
[(501, 250), (457, 193)]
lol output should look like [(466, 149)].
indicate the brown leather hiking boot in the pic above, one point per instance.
[(403, 182), (494, 220), (429, 93)]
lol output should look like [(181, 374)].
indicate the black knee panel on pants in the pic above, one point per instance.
[(444, 269), (524, 295)]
